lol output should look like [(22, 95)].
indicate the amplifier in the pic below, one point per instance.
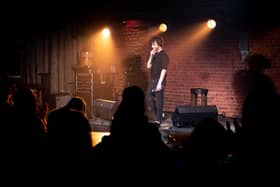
[(104, 109), (188, 116)]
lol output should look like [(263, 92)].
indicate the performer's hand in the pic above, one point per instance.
[(158, 88), (153, 52)]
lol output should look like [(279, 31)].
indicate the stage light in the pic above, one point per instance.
[(106, 32), (162, 27), (211, 24)]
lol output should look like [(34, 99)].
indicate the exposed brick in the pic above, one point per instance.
[(212, 65)]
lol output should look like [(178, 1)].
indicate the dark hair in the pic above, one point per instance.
[(77, 103), (258, 62), (158, 39), (25, 100)]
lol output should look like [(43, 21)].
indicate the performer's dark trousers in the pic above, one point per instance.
[(155, 100)]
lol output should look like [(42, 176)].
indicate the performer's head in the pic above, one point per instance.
[(157, 42)]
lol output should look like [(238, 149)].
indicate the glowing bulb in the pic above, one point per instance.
[(162, 27), (211, 24), (106, 32)]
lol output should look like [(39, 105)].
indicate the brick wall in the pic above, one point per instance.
[(209, 63)]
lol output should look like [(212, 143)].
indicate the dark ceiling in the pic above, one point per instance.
[(25, 19)]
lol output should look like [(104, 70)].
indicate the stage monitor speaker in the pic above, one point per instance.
[(104, 109), (189, 116)]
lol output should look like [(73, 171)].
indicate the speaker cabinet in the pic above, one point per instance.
[(104, 109), (189, 116)]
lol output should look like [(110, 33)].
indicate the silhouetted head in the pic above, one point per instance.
[(253, 80), (133, 100), (77, 103), (131, 110), (25, 101), (208, 140), (258, 63)]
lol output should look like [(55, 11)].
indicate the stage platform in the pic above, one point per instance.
[(171, 135)]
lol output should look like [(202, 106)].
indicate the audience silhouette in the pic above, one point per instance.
[(257, 139), (206, 151), (58, 148), (5, 118), (69, 137), (133, 144), (26, 138)]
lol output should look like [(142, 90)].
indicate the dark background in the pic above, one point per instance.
[(26, 19)]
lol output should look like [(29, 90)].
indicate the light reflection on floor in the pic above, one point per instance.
[(96, 137)]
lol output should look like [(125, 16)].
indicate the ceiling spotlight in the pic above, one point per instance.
[(162, 27), (106, 32), (211, 24)]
